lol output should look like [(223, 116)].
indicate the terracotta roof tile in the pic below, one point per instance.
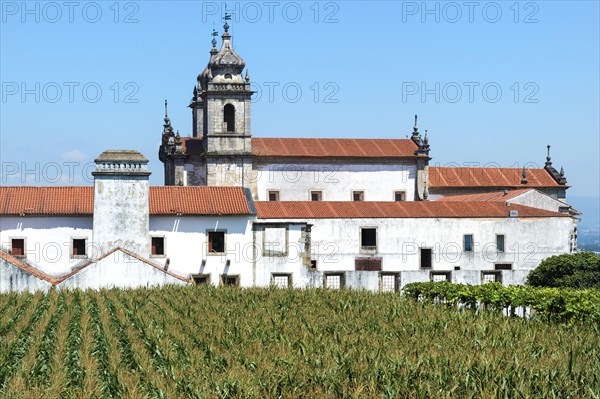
[(443, 177), (367, 209), (489, 196), (74, 201), (332, 147)]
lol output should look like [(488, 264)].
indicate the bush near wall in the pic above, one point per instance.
[(552, 304), (579, 270)]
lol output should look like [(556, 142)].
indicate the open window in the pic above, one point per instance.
[(78, 248), (158, 246), (17, 247), (316, 196), (399, 195), (216, 242), (358, 195), (201, 279), (426, 258), (368, 240), (229, 118)]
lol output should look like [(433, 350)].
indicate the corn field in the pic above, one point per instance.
[(205, 342)]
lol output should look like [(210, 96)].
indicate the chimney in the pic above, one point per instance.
[(121, 202)]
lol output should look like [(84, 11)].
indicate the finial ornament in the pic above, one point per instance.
[(247, 76), (415, 121), (548, 156), (226, 18), (524, 176), (426, 140), (166, 114), (214, 34)]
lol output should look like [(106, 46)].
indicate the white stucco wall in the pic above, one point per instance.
[(47, 239), (536, 199), (186, 245), (14, 279), (120, 271), (337, 181)]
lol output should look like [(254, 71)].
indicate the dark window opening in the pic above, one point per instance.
[(425, 258), (313, 265), (315, 195), (468, 242), (358, 196), (233, 281), (399, 196), (201, 279), (18, 247), (503, 266), (368, 239), (158, 246), (500, 243), (216, 241), (78, 247), (273, 195), (229, 118)]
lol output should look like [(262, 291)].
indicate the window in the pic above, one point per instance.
[(500, 242), (468, 242), (233, 281), (425, 258), (273, 195), (439, 276), (275, 241), (17, 247), (201, 279), (216, 242), (229, 118), (281, 280), (368, 240), (313, 265), (399, 195), (158, 246), (78, 247), (367, 264), (316, 195), (491, 277), (358, 195), (228, 76), (503, 266), (334, 281), (389, 282)]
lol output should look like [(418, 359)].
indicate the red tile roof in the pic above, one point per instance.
[(489, 196), (417, 209), (445, 177), (321, 147), (79, 201)]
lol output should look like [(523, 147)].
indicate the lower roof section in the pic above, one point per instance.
[(375, 210)]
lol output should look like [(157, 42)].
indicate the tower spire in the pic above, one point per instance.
[(548, 159)]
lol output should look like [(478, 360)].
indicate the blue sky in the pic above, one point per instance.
[(493, 82)]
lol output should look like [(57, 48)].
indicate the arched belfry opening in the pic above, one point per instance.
[(229, 118)]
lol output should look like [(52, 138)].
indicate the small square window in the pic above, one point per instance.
[(158, 246), (368, 239), (334, 281), (316, 195), (313, 265), (282, 280), (399, 195), (500, 242), (201, 279), (233, 281), (78, 247), (273, 195), (389, 282), (468, 242), (17, 247), (439, 276), (426, 258), (358, 195), (216, 242)]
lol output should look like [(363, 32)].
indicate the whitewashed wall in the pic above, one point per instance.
[(186, 245), (47, 239), (295, 181)]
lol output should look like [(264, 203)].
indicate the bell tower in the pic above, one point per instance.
[(221, 108)]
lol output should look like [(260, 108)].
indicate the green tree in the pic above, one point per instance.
[(579, 270)]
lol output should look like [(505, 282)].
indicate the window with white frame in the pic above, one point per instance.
[(282, 280), (316, 195), (468, 242), (500, 242), (273, 195), (334, 281), (439, 276), (368, 239), (399, 195), (78, 247), (389, 282), (358, 195)]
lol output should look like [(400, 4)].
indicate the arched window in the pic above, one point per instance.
[(229, 118)]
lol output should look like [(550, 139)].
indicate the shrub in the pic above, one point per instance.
[(580, 270)]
